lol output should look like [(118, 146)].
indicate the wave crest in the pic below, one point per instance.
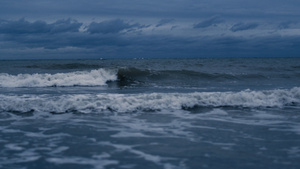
[(79, 78), (152, 101)]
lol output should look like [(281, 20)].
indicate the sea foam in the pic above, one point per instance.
[(79, 78), (87, 103)]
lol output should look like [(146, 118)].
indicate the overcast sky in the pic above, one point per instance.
[(156, 28)]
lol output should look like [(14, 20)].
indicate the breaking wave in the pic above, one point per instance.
[(129, 76), (79, 78), (87, 103)]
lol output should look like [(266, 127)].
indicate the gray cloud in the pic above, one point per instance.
[(209, 22), (115, 44), (25, 27), (112, 26), (163, 22), (59, 34), (22, 27), (243, 26), (65, 33), (62, 25)]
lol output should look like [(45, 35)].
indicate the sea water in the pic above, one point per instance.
[(150, 113)]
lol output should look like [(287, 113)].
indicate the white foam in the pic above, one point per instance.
[(98, 161), (78, 78), (158, 160), (14, 147), (153, 158), (294, 152), (148, 101), (128, 134)]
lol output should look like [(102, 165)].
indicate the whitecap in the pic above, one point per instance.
[(79, 78), (87, 103)]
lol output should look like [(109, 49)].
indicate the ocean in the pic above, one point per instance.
[(237, 113)]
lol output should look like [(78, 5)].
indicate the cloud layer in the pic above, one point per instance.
[(213, 21), (89, 29), (243, 26), (112, 26), (25, 27)]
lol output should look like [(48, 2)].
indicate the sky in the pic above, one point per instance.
[(84, 29)]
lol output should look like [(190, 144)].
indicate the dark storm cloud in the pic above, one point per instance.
[(59, 34), (243, 26), (25, 27), (112, 26), (209, 22), (65, 33), (101, 36), (115, 28), (65, 26), (22, 27)]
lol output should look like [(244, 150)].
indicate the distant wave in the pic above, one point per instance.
[(87, 103), (140, 75), (63, 66), (79, 78)]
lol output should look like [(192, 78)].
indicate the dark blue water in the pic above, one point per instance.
[(150, 113)]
